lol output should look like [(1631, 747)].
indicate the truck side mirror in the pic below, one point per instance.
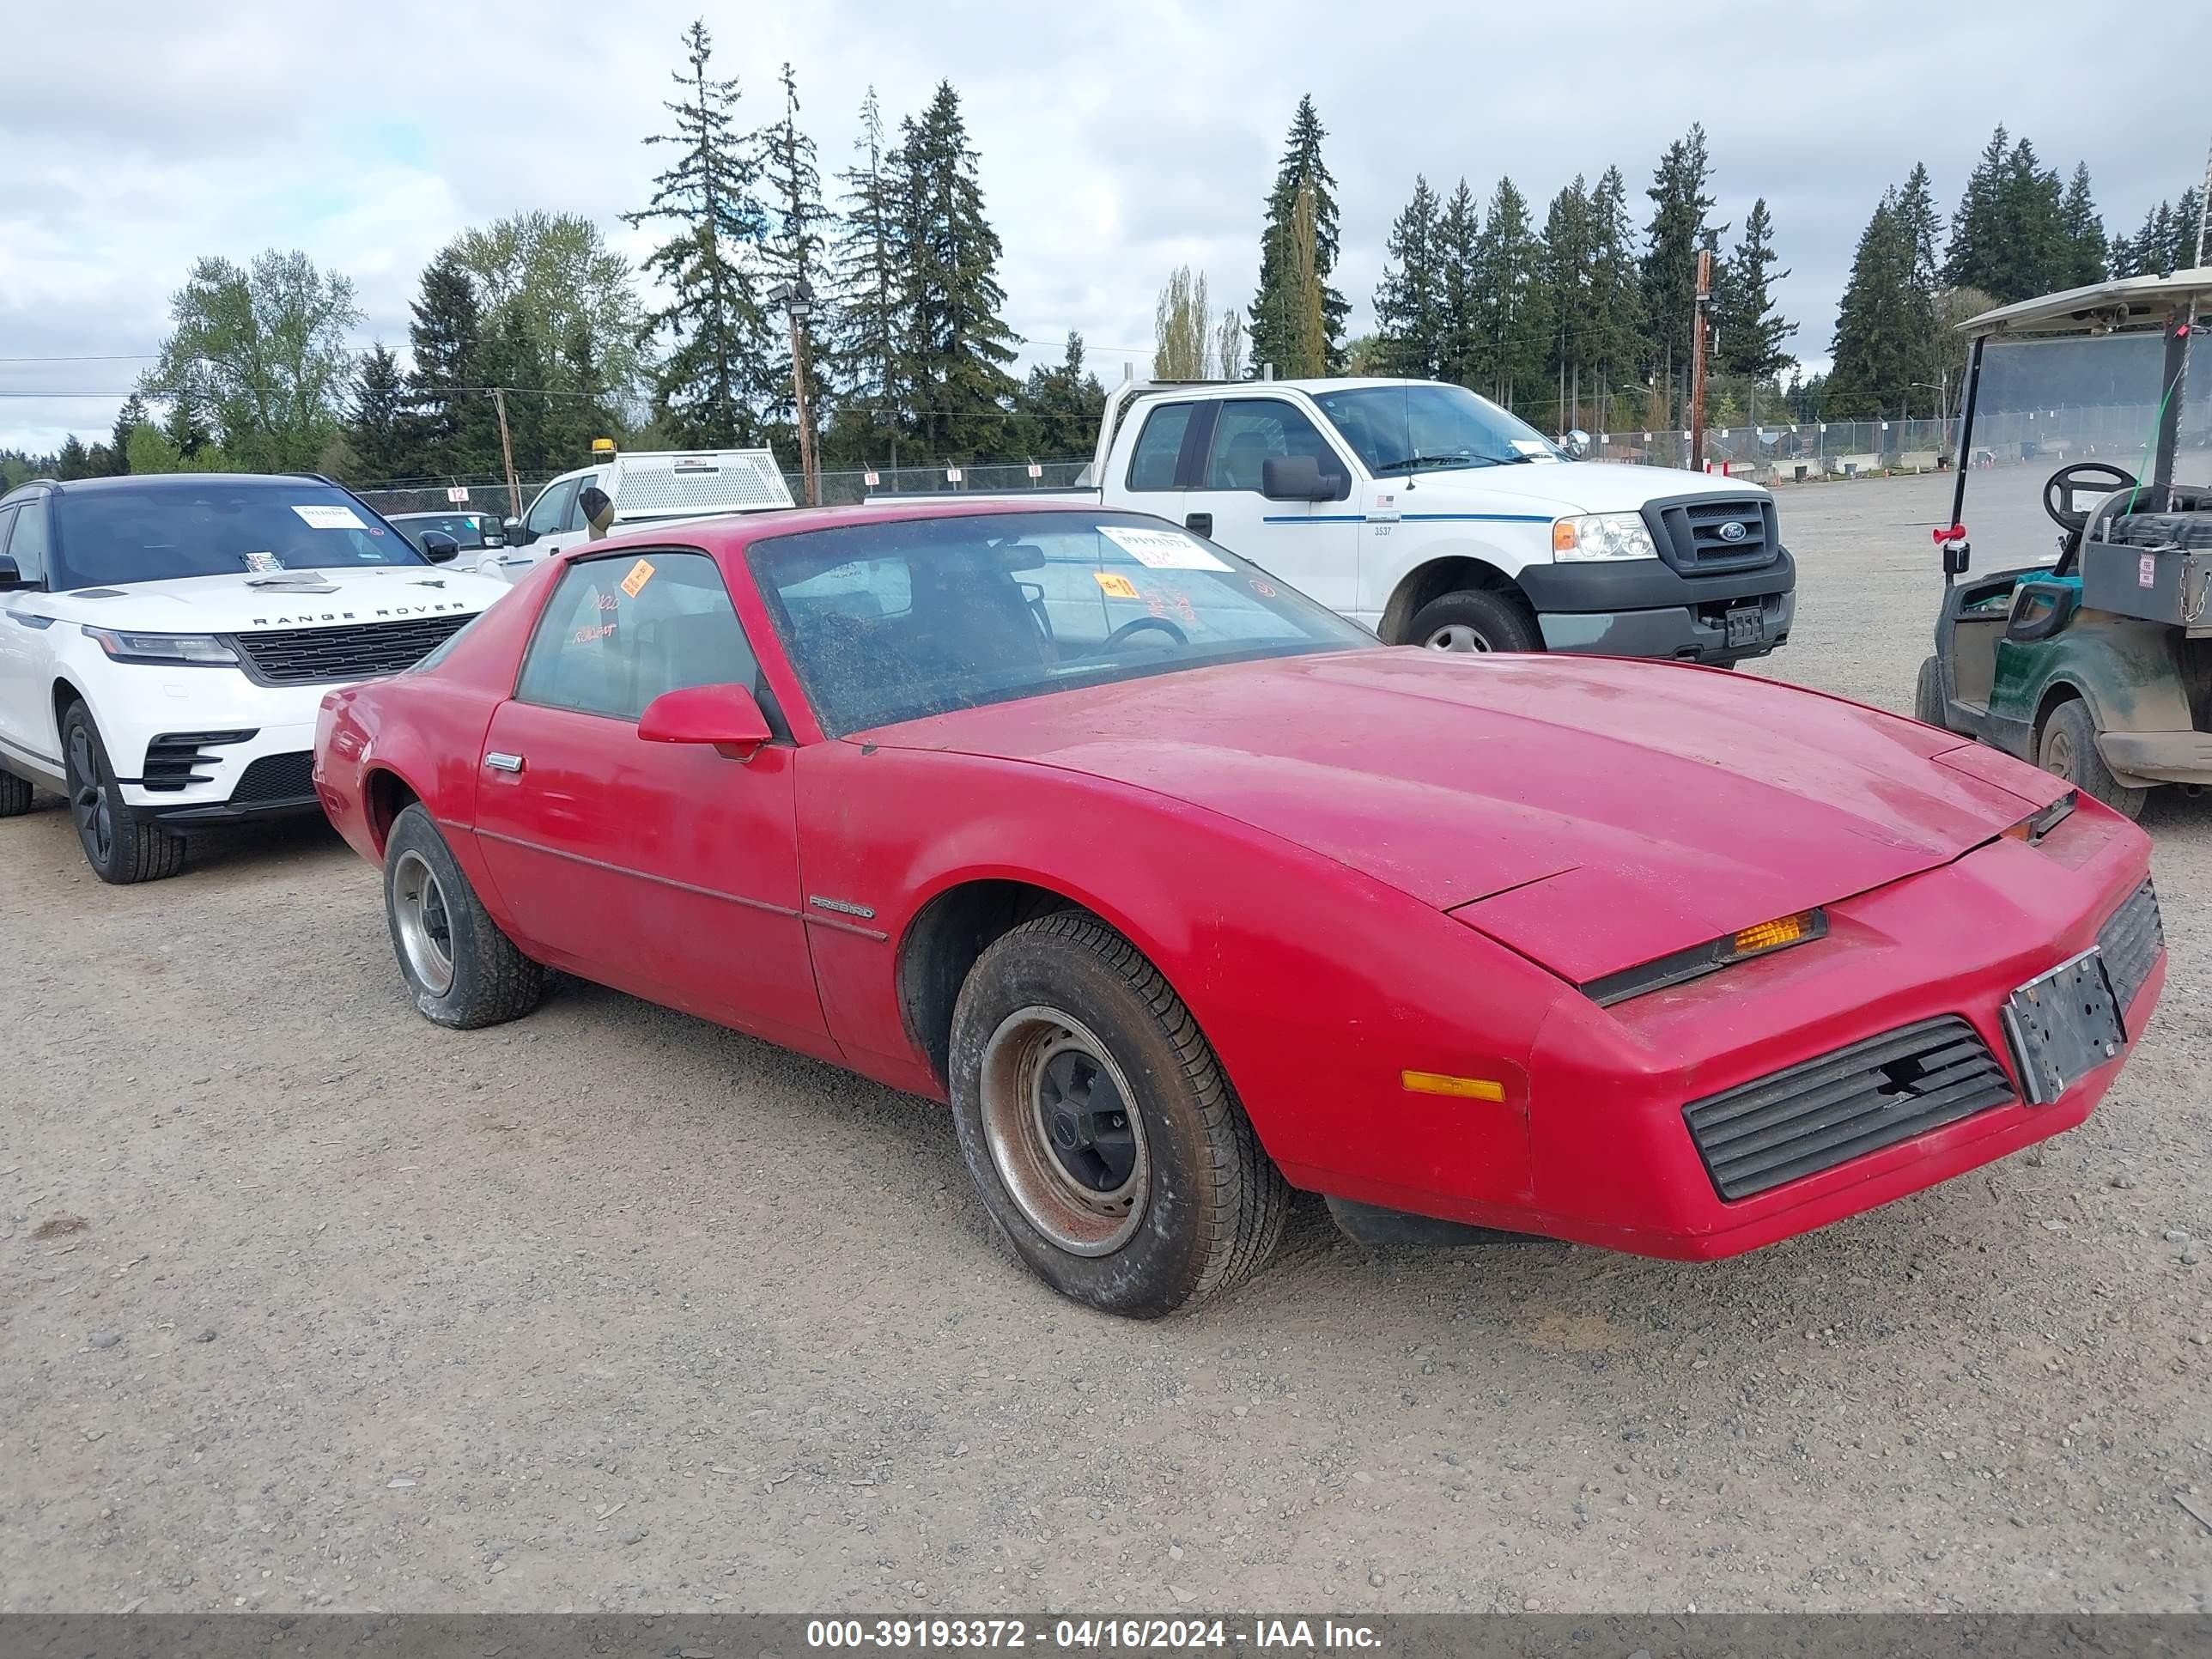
[(1295, 478), (518, 533), (1576, 443)]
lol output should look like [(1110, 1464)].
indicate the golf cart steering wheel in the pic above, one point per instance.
[(2058, 490), (1129, 627)]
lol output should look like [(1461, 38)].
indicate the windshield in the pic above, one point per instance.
[(892, 622), (467, 529), (1422, 425), (119, 533)]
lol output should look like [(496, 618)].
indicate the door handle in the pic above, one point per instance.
[(1199, 523), (509, 763)]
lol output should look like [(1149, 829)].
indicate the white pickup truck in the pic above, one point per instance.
[(650, 487), (1436, 517)]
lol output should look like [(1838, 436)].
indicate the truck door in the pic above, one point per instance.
[(1312, 545), (1168, 449)]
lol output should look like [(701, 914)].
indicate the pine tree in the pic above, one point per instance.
[(1978, 256), (1274, 325), (2030, 205), (186, 426), (1879, 338), (128, 419), (797, 248), (72, 460), (1616, 300), (376, 420), (453, 429), (2181, 234), (1917, 218), (1409, 304), (718, 374), (1458, 245), (2081, 234), (1567, 259), (1511, 327), (514, 357), (1749, 328), (953, 346), (1059, 408), (1677, 231), (869, 281)]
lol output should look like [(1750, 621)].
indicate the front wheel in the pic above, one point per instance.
[(14, 796), (1476, 619), (1928, 693), (2069, 749), (462, 970), (121, 843), (1099, 1127)]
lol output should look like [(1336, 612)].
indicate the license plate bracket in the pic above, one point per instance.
[(1745, 626), (2062, 1025)]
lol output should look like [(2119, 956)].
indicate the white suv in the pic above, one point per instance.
[(164, 643)]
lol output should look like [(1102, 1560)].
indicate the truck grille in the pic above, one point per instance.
[(1691, 532), (308, 656), (2129, 942), (1857, 1100), (275, 780)]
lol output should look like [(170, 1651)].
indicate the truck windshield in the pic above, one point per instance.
[(893, 622), (109, 534), (1421, 425)]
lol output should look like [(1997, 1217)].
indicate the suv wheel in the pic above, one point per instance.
[(14, 796), (122, 843)]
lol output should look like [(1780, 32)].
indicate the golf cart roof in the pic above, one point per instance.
[(2126, 302)]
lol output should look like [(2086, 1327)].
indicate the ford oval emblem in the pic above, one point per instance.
[(1733, 531)]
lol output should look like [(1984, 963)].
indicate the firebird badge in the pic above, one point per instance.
[(842, 907)]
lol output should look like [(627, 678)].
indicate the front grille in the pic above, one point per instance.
[(275, 779), (2129, 942), (177, 758), (308, 656), (1857, 1100), (1689, 532)]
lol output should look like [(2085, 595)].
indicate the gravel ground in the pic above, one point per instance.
[(306, 1304)]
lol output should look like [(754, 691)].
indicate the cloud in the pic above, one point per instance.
[(1117, 142)]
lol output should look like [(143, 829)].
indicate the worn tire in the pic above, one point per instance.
[(1495, 621), (2067, 746), (1213, 1204), (1928, 695), (14, 796), (491, 982), (138, 846)]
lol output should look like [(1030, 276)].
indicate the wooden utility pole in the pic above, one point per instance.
[(1697, 361), (805, 426), (506, 452)]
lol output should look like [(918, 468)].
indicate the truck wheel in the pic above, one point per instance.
[(1928, 695), (1475, 620), (462, 971), (2068, 747), (1101, 1131), (14, 796), (121, 843)]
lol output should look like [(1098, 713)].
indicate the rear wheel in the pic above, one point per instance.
[(1928, 693), (1475, 619), (462, 971), (14, 796), (1099, 1127), (121, 843), (2068, 748)]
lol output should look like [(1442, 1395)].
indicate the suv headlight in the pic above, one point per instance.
[(203, 650), (1602, 536)]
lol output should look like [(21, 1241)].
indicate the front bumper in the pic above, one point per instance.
[(1645, 608), (281, 720)]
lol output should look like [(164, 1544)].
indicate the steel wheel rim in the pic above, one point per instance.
[(89, 802), (424, 922), (1065, 1132), (2058, 755), (1457, 636)]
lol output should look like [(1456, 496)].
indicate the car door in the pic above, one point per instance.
[(27, 649), (1169, 446), (1312, 545), (664, 870)]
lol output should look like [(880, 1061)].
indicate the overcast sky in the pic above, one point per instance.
[(1116, 141)]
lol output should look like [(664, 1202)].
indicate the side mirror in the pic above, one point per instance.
[(725, 716), (438, 547), (1295, 478), (1576, 444), (11, 576), (518, 533)]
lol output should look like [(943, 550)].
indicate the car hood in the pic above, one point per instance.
[(1554, 487), (232, 604), (1592, 813)]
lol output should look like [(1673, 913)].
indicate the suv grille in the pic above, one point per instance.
[(1857, 1100), (177, 758), (275, 779), (305, 656), (2130, 941), (1691, 532)]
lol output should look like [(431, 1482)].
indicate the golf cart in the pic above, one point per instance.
[(2097, 667)]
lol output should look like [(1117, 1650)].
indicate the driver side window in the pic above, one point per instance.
[(1252, 432), (550, 510)]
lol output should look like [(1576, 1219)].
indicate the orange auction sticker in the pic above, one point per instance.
[(640, 575), (1114, 586)]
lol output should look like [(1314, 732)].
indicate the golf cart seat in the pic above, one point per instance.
[(2041, 605)]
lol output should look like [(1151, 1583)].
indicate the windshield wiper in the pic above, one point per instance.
[(1414, 462)]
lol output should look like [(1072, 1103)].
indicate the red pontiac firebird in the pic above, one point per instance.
[(1184, 892)]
